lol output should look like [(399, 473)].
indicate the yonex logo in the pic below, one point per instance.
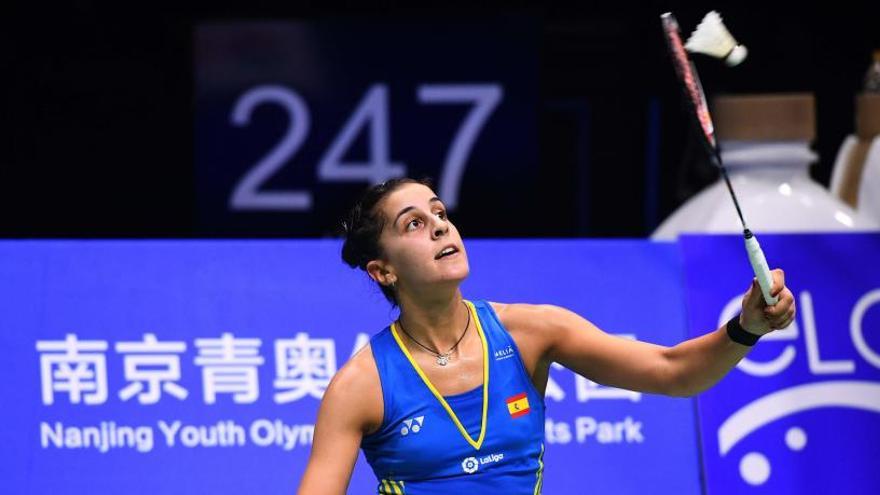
[(412, 425)]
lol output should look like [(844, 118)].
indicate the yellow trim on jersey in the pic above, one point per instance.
[(474, 443), (540, 474)]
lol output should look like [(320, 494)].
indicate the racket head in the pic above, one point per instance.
[(690, 81)]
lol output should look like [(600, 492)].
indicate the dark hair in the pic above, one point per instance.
[(363, 227)]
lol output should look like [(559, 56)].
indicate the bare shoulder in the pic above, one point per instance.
[(543, 326), (534, 327), (356, 392), (530, 318)]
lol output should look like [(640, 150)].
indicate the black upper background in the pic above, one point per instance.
[(96, 106)]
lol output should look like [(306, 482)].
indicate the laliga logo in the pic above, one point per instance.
[(471, 464), (754, 467)]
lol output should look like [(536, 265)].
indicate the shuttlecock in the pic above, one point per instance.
[(713, 39)]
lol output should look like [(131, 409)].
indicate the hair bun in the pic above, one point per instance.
[(363, 227)]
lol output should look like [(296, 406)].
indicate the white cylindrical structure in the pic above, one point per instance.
[(869, 187), (765, 147), (855, 178), (775, 192)]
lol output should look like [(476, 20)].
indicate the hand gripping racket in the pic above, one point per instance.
[(696, 102)]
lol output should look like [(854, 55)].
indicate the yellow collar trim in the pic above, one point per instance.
[(479, 441)]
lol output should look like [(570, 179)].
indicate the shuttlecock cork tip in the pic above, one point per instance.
[(737, 55), (712, 38)]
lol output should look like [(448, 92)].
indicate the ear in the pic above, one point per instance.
[(381, 272)]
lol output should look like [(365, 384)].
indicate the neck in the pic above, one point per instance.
[(437, 323)]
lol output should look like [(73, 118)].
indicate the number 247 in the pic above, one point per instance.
[(372, 113)]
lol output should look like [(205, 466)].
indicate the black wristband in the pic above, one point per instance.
[(738, 334)]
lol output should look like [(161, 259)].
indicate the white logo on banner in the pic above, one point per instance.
[(754, 467), (109, 435), (229, 367), (152, 367), (75, 367), (304, 367)]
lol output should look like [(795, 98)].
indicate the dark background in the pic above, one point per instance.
[(96, 107)]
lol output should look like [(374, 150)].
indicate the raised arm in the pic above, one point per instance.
[(351, 407), (701, 362), (683, 370)]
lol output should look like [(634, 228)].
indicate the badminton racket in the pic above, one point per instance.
[(696, 102)]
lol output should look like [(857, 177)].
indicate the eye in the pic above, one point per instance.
[(442, 214), (412, 224)]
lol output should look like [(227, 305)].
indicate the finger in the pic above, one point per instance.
[(778, 282), (784, 323), (773, 313), (784, 320), (753, 297), (786, 302), (780, 323)]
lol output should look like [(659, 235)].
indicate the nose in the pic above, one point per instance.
[(440, 228)]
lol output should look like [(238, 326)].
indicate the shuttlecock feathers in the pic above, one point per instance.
[(712, 38)]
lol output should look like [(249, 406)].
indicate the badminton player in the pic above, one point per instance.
[(449, 398)]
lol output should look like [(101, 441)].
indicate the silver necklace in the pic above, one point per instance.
[(442, 358)]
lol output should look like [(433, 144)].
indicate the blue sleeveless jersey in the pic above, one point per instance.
[(488, 440)]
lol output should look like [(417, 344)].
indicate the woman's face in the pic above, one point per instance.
[(422, 248)]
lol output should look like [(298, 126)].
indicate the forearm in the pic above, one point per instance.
[(701, 362)]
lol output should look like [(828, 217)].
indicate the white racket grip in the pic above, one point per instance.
[(761, 269)]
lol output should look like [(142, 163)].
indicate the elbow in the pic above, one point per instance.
[(675, 390), (683, 393), (687, 389), (681, 390), (678, 385)]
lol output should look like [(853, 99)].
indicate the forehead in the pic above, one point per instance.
[(417, 195)]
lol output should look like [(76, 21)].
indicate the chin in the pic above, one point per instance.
[(456, 275)]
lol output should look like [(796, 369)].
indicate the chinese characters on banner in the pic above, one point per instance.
[(78, 368), (229, 365)]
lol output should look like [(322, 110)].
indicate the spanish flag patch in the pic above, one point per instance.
[(518, 405)]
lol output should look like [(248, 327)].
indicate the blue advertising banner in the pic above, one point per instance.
[(197, 366), (800, 412)]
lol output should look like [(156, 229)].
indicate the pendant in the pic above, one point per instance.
[(442, 359)]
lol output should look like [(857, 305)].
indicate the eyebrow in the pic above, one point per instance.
[(404, 211)]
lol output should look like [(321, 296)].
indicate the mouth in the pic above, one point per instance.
[(446, 252)]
